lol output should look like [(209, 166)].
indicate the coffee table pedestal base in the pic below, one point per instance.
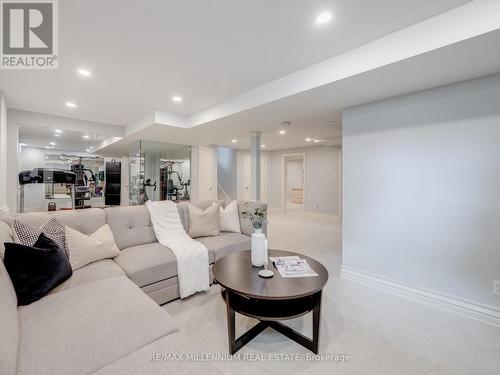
[(268, 313)]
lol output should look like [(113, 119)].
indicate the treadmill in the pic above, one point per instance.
[(46, 176)]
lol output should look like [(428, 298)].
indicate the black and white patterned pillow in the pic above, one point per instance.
[(27, 234)]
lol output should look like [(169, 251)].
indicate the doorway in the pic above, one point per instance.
[(293, 194)]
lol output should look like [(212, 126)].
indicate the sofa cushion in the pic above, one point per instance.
[(36, 270), (27, 234), (86, 221), (9, 326), (230, 218), (89, 273), (150, 360), (224, 243), (131, 226), (183, 209), (245, 223), (6, 235), (83, 329), (84, 249), (147, 264), (204, 222)]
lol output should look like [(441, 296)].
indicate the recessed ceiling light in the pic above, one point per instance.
[(234, 140), (70, 105), (323, 18), (58, 131), (57, 135), (317, 140), (177, 99), (308, 139), (47, 146), (86, 136), (87, 150), (282, 131), (91, 147), (84, 72), (52, 147), (263, 146), (52, 143)]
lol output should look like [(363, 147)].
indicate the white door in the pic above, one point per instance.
[(247, 177), (206, 174)]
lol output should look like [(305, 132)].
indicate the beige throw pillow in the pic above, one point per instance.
[(230, 218), (204, 223), (85, 249)]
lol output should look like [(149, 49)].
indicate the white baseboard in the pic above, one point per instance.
[(317, 215), (35, 209), (483, 313), (311, 214)]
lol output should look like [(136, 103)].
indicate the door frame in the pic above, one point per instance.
[(284, 158)]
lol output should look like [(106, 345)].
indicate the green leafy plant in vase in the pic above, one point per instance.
[(257, 217)]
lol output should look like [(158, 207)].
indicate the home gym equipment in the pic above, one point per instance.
[(46, 176), (168, 189)]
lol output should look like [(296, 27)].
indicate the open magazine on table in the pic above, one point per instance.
[(292, 266)]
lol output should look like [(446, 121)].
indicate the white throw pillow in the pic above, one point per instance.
[(230, 218), (85, 249), (204, 223)]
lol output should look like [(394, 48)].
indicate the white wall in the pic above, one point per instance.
[(322, 179), (227, 170), (294, 177), (422, 189), (3, 155), (34, 194)]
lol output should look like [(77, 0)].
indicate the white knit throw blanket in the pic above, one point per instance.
[(192, 256)]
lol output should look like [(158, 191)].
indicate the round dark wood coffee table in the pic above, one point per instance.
[(269, 300)]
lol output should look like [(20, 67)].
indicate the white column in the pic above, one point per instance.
[(3, 155), (255, 164)]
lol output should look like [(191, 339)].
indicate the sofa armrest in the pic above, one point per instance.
[(246, 225), (6, 235)]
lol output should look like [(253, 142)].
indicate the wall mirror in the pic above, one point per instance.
[(159, 171)]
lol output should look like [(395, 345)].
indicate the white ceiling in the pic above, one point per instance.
[(68, 140), (312, 112), (142, 53), (243, 66)]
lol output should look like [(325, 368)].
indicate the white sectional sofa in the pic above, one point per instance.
[(105, 319)]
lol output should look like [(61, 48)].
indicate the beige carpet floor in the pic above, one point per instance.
[(382, 333)]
